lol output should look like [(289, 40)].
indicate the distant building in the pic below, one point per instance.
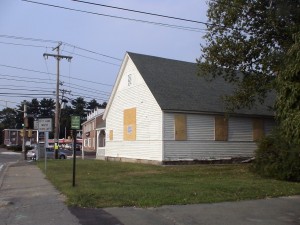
[(93, 132), (15, 137)]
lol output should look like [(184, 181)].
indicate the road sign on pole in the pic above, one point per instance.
[(75, 122), (45, 125)]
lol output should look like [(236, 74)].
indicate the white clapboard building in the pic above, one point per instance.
[(160, 111)]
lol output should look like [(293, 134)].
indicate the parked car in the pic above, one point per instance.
[(62, 153), (31, 154)]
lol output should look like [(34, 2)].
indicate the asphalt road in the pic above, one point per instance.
[(7, 157)]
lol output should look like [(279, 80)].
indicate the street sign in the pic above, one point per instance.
[(75, 122), (45, 125), (36, 125)]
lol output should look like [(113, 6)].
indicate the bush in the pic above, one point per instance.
[(277, 159), (16, 148)]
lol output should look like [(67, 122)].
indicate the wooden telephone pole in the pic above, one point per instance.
[(56, 130)]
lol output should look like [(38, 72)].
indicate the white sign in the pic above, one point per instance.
[(36, 125), (45, 125)]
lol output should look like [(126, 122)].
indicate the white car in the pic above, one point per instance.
[(62, 154)]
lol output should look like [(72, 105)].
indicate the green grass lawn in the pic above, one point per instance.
[(109, 184)]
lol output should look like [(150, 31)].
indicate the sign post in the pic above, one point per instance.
[(75, 125), (44, 125)]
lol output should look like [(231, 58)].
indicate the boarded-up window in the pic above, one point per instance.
[(258, 129), (180, 127), (111, 135), (221, 128), (129, 130)]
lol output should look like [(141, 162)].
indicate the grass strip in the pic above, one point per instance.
[(114, 184)]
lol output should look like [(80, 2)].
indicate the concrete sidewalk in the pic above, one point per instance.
[(27, 198), (276, 211)]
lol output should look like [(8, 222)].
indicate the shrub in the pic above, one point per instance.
[(16, 148), (277, 159)]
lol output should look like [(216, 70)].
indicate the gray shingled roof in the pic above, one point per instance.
[(176, 87)]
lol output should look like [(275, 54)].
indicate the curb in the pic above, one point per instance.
[(6, 166)]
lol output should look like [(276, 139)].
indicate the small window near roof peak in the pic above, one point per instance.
[(129, 80)]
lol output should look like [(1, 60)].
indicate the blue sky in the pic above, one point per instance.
[(88, 39)]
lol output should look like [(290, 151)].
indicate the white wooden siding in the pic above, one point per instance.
[(148, 144), (191, 150), (200, 142)]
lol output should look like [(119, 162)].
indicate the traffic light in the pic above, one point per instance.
[(29, 134), (21, 132)]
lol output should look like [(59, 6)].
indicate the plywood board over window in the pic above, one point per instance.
[(258, 129), (180, 127), (111, 135), (221, 128), (129, 129)]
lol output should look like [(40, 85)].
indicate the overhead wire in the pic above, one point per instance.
[(142, 12), (20, 86), (90, 51), (25, 45), (24, 89), (38, 82), (91, 58), (67, 44), (193, 29), (36, 71), (27, 39), (26, 79)]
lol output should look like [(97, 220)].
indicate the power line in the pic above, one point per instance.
[(36, 46), (101, 93), (87, 90), (91, 58), (24, 89), (6, 75), (123, 18), (36, 71), (70, 85), (83, 49), (27, 39), (90, 94), (5, 93), (29, 80), (142, 12), (18, 87), (25, 81), (51, 41)]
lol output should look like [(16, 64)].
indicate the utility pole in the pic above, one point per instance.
[(24, 131), (56, 130)]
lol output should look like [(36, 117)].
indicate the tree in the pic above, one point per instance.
[(288, 89), (34, 107), (65, 120), (246, 43), (47, 107), (8, 118), (93, 104), (103, 106), (79, 106)]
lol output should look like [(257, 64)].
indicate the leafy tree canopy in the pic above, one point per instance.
[(251, 37), (288, 89), (8, 118), (93, 104)]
